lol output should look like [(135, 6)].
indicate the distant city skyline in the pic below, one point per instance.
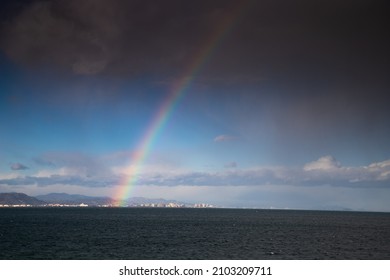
[(232, 103)]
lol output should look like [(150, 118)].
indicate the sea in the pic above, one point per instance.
[(191, 234)]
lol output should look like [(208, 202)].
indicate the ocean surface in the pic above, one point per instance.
[(152, 233)]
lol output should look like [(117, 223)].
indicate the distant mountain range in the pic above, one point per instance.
[(64, 198), (19, 199), (76, 199)]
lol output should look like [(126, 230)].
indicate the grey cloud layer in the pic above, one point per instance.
[(374, 175), (58, 180), (325, 171)]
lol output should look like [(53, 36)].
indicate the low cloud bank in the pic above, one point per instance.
[(326, 171)]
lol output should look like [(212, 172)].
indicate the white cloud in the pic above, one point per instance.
[(12, 175), (323, 163), (382, 169), (326, 171), (382, 164), (320, 184)]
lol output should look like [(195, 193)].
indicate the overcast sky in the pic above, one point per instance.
[(285, 104)]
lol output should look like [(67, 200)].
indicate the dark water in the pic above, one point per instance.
[(128, 233)]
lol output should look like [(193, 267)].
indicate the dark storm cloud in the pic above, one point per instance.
[(271, 39), (121, 37), (61, 33), (308, 65)]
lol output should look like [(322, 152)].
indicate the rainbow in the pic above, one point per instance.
[(177, 92)]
